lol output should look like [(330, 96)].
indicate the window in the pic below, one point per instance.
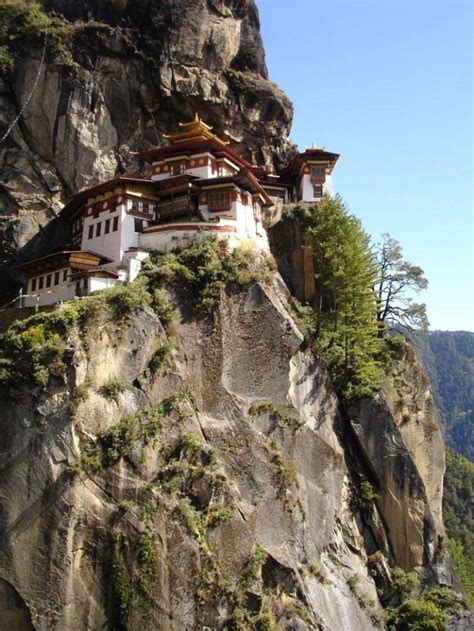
[(65, 275), (318, 191), (115, 224), (56, 278), (33, 284), (107, 226), (318, 174), (98, 229), (178, 169), (219, 200), (48, 280), (138, 225), (91, 232), (95, 212), (41, 282)]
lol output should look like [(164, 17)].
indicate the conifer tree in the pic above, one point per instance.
[(346, 309)]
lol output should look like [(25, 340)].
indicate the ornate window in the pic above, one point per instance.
[(317, 174), (219, 200)]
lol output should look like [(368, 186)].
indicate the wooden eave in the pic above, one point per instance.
[(77, 201), (95, 271), (213, 146), (310, 155), (64, 258)]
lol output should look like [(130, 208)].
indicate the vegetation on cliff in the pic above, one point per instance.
[(35, 349), (344, 319), (448, 357), (458, 502), (181, 474)]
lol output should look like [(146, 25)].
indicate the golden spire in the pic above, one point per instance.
[(194, 130)]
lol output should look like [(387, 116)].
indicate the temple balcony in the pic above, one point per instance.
[(175, 209)]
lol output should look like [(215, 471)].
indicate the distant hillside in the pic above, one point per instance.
[(448, 357)]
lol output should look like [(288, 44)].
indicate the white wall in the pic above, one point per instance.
[(107, 244), (96, 283), (66, 290), (307, 190)]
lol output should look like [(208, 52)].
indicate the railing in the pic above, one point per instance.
[(176, 208)]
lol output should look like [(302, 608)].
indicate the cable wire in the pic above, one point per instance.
[(30, 96)]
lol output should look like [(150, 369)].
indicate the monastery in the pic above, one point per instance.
[(195, 186)]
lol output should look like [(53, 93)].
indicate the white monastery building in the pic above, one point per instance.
[(195, 186)]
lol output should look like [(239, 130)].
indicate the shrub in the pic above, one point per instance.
[(31, 351), (444, 598), (118, 441), (286, 414), (161, 358), (405, 582), (205, 268), (113, 388), (6, 61), (417, 615), (25, 23), (367, 492)]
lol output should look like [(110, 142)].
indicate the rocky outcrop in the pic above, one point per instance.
[(400, 438), (127, 72), (221, 486)]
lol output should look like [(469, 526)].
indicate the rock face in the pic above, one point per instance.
[(400, 437), (226, 486), (133, 70)]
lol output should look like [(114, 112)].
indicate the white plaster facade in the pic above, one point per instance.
[(40, 291), (306, 188)]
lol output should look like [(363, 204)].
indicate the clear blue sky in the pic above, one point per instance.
[(388, 84)]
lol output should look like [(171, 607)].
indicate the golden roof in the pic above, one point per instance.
[(192, 131)]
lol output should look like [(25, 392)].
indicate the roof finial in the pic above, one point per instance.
[(196, 118)]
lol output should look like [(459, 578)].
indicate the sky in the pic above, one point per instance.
[(388, 84)]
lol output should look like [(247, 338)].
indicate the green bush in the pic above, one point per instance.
[(25, 24), (113, 388), (205, 268), (117, 442), (367, 492), (287, 414), (417, 615), (32, 351), (161, 358), (6, 61), (405, 582)]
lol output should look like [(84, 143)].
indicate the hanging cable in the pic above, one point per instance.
[(30, 96)]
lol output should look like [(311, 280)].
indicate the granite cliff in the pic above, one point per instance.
[(163, 468), (189, 472)]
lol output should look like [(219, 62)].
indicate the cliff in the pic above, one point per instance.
[(118, 75), (200, 472)]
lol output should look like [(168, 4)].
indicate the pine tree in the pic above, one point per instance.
[(346, 309)]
